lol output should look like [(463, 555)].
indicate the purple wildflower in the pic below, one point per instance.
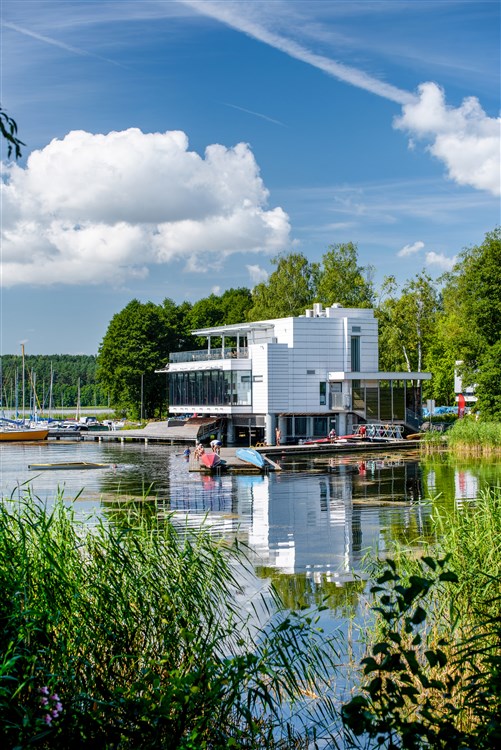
[(48, 719)]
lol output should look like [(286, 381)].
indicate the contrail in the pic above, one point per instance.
[(257, 114), (56, 43), (223, 13)]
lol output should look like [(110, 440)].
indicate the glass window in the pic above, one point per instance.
[(323, 394), (320, 427), (210, 388), (300, 426), (355, 353)]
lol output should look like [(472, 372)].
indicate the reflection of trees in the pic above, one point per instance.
[(300, 590), (439, 474)]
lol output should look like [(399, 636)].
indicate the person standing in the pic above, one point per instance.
[(332, 435), (216, 446), (278, 435)]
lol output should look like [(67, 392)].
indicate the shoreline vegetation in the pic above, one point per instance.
[(128, 632), (467, 436), (432, 669)]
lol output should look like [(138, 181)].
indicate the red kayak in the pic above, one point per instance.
[(210, 460)]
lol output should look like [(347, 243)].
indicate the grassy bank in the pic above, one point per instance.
[(433, 664), (132, 635)]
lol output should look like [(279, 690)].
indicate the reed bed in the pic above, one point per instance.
[(433, 662), (130, 634), (473, 436)]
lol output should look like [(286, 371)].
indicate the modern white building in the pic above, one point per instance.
[(300, 375)]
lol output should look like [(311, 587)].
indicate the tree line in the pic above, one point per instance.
[(53, 381), (425, 325)]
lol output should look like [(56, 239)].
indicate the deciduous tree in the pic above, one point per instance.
[(135, 345), (341, 279), (288, 291)]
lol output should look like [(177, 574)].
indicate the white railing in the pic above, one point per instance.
[(204, 355)]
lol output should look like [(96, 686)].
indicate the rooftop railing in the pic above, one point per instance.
[(204, 355)]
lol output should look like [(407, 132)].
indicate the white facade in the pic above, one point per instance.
[(303, 375)]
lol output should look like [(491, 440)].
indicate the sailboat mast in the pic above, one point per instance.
[(22, 380)]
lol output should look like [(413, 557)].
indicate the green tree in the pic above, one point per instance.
[(135, 345), (407, 324), (488, 385), (288, 291), (472, 303), (341, 279)]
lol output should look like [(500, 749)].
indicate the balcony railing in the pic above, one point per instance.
[(204, 355), (340, 401)]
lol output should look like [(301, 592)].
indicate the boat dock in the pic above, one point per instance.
[(273, 454), (162, 433)]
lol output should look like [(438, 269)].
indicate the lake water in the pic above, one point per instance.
[(313, 522), (309, 526)]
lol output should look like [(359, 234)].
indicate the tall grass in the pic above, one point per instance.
[(134, 635), (472, 436), (433, 664)]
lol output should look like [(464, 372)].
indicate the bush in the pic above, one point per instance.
[(433, 671)]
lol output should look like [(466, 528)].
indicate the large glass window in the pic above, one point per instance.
[(385, 410), (300, 426), (320, 427), (210, 388)]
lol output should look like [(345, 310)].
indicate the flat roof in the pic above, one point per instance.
[(232, 329)]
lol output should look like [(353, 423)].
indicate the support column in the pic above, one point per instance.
[(269, 432), (282, 426), (230, 431), (342, 424)]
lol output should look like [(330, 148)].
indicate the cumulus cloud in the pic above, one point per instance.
[(464, 138), (94, 208), (440, 260), (257, 274), (410, 249)]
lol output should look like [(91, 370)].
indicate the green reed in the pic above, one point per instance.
[(135, 634), (474, 436)]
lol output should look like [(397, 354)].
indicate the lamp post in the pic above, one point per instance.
[(142, 391)]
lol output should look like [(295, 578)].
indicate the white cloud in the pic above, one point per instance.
[(440, 260), (257, 274), (410, 249), (464, 138), (93, 209)]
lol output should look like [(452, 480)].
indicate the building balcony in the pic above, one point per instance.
[(340, 401), (207, 355)]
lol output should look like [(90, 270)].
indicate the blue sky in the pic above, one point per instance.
[(174, 147)]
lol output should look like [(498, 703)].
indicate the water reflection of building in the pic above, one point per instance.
[(326, 523)]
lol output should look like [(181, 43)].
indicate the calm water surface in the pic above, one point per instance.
[(314, 520)]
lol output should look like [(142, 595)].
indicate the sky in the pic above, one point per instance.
[(173, 148)]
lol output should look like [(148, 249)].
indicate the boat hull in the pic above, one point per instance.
[(250, 456), (22, 435), (210, 460)]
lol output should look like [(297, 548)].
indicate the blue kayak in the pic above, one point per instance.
[(250, 456)]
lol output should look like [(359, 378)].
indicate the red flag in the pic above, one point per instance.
[(461, 405)]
